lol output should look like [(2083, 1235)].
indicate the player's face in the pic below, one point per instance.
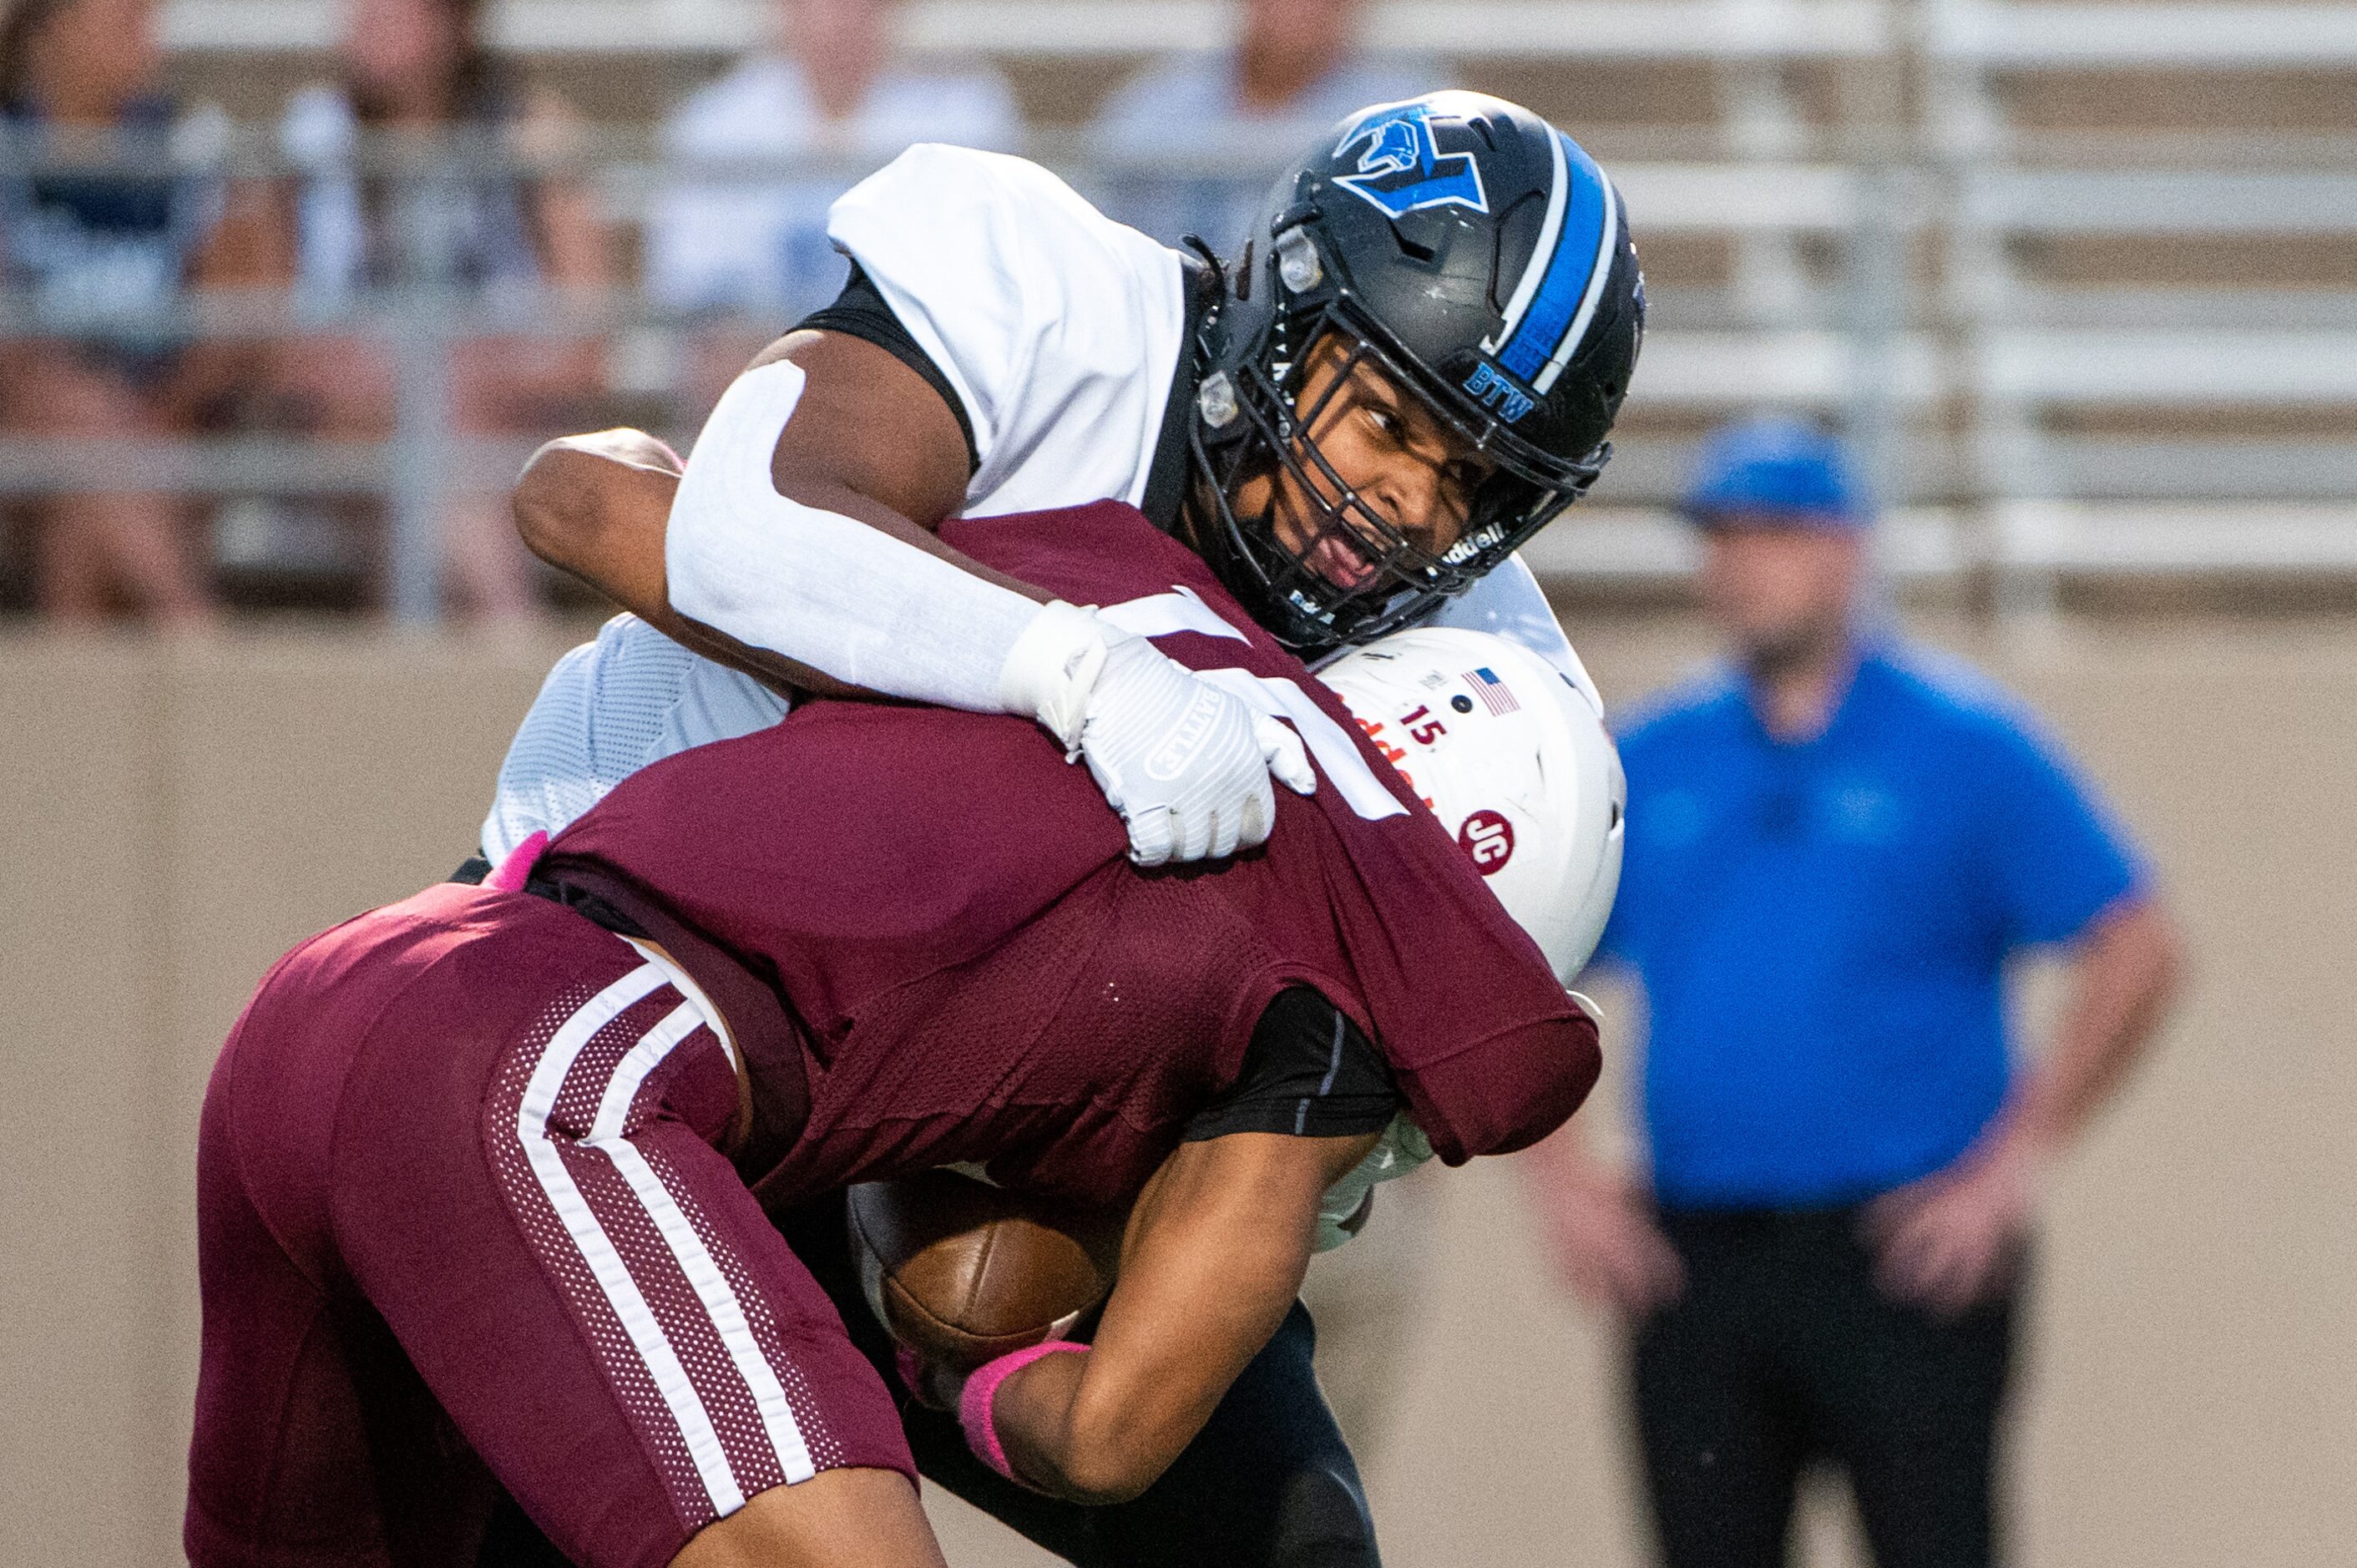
[(94, 56), (1281, 32), (1782, 594), (404, 50), (838, 37), (1412, 469)]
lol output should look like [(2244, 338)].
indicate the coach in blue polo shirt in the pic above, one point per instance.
[(1835, 846)]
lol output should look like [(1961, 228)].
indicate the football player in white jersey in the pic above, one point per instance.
[(1410, 366)]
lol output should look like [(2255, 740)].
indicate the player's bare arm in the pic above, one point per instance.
[(591, 504), (597, 506), (1213, 1258), (869, 440)]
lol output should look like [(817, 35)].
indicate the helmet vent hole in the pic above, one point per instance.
[(1461, 703), (1410, 249)]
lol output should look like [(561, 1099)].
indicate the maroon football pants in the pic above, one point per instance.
[(462, 1220)]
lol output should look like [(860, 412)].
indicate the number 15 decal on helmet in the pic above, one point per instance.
[(1475, 259), (1514, 760)]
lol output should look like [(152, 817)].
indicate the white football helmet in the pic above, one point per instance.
[(1513, 757)]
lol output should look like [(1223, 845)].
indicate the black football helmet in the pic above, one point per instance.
[(1481, 261)]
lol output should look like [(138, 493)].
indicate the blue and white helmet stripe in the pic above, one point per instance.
[(1553, 304)]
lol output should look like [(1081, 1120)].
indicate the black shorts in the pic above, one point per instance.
[(1784, 1350)]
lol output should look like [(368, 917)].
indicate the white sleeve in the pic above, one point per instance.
[(1508, 602), (828, 591), (1057, 329)]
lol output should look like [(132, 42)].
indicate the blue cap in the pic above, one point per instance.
[(1775, 471)]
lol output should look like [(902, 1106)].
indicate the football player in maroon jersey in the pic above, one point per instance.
[(482, 1172)]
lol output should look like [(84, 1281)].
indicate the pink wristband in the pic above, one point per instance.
[(974, 1404)]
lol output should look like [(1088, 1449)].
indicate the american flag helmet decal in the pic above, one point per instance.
[(1495, 694)]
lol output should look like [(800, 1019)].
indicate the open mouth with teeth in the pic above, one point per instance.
[(1338, 558)]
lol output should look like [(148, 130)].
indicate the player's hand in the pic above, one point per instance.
[(1948, 1240), (1187, 765), (1607, 1247)]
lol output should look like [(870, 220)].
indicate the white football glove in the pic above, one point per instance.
[(1342, 1212), (1187, 765)]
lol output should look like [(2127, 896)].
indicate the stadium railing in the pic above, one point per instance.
[(2021, 428), (1553, 29), (1731, 357)]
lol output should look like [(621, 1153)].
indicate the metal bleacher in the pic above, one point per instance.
[(2083, 278), (2131, 423)]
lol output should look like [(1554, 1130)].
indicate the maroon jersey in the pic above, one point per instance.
[(974, 970)]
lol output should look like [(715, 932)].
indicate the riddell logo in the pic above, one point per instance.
[(1489, 839), (1373, 731)]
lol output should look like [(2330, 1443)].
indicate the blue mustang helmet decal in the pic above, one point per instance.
[(1402, 170)]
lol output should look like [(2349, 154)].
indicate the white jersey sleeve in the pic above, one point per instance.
[(1059, 328), (607, 709)]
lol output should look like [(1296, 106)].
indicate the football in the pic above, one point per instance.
[(961, 1272)]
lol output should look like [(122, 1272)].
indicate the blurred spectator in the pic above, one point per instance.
[(415, 76), (98, 256), (754, 244), (1294, 72), (1834, 849)]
